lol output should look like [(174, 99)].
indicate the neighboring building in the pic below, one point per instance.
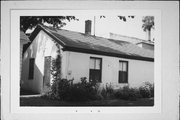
[(23, 40), (140, 42), (146, 45), (84, 55)]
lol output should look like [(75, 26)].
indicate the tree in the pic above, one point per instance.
[(124, 18), (29, 22), (148, 24)]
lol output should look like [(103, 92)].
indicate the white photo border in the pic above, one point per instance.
[(10, 88), (15, 17)]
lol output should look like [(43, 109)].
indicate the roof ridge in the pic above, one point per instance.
[(84, 33), (42, 26)]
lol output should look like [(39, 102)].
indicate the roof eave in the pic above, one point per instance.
[(39, 28), (82, 50)]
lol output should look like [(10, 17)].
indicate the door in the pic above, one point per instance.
[(47, 73)]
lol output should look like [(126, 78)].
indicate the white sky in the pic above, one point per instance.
[(132, 27), (103, 26)]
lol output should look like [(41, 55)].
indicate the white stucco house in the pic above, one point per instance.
[(84, 55)]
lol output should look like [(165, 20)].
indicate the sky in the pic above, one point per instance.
[(132, 27), (110, 24)]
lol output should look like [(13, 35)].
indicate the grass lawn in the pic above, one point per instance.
[(39, 101)]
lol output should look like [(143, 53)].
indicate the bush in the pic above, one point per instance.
[(127, 93), (151, 86), (77, 92), (60, 89), (64, 90), (83, 91), (147, 90), (108, 91)]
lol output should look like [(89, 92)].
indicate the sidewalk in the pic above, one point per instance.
[(28, 96)]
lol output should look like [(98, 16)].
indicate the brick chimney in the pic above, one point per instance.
[(88, 27)]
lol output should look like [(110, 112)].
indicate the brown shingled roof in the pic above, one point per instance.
[(80, 42)]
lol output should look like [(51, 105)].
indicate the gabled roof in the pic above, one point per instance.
[(80, 42)]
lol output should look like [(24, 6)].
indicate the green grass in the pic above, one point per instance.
[(39, 101)]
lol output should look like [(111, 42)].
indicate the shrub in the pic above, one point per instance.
[(147, 90), (108, 91), (63, 89), (127, 93), (77, 92), (60, 89), (82, 91), (152, 90)]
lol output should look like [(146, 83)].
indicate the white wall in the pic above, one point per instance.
[(138, 72), (42, 46)]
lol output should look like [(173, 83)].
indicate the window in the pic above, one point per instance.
[(123, 71), (95, 69), (31, 68)]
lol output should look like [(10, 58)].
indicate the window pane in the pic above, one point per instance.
[(92, 63), (95, 69), (120, 77), (123, 72), (123, 77), (120, 66), (95, 75), (98, 64), (124, 66)]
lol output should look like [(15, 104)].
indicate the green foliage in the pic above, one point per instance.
[(29, 22), (107, 92), (123, 18), (128, 93), (83, 91), (56, 76), (60, 89), (56, 66), (63, 89), (147, 90), (148, 23)]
